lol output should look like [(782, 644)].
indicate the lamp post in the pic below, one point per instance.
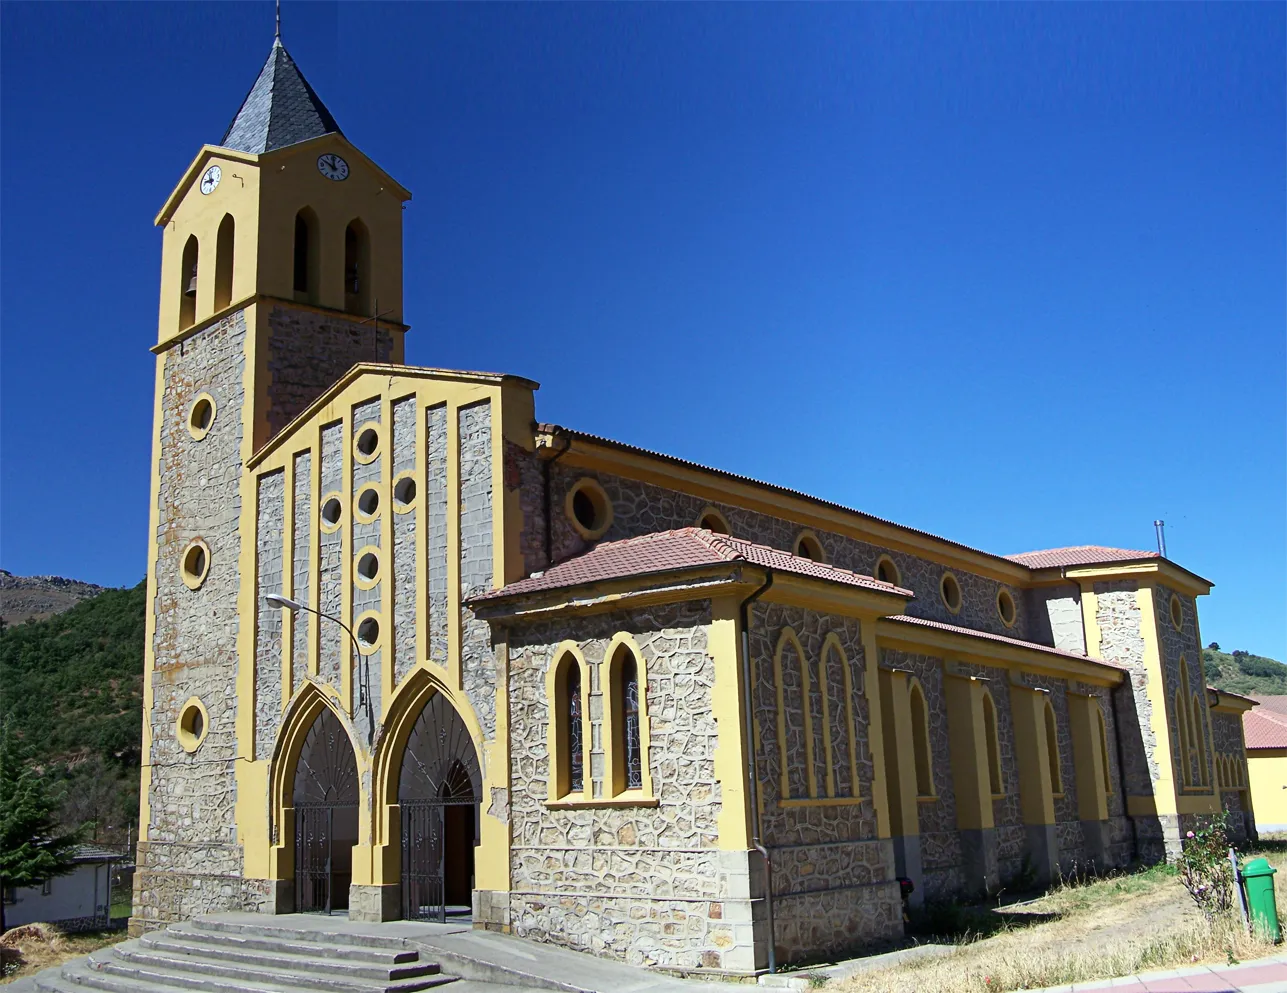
[(364, 670)]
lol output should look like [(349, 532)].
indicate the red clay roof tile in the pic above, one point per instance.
[(1265, 727), (988, 636), (1053, 558)]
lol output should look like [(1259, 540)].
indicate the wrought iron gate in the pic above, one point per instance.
[(326, 815), (426, 824), (315, 862)]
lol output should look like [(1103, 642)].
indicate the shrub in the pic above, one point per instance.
[(1204, 867)]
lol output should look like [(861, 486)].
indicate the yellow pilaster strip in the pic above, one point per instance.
[(729, 698), (422, 526), (346, 560), (1165, 792), (388, 653), (1088, 760), (1090, 619), (877, 718), (968, 748), (1028, 711), (895, 697)]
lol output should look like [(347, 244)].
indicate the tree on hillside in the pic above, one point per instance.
[(32, 849)]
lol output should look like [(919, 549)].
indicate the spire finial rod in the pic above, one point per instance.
[(277, 36)]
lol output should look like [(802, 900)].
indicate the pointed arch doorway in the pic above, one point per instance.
[(325, 798), (438, 790)]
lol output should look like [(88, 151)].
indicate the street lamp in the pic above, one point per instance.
[(364, 669)]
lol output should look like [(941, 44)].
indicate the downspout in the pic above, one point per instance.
[(1117, 724), (545, 468), (752, 774)]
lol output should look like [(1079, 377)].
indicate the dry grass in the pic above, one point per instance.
[(1079, 932), (39, 946)]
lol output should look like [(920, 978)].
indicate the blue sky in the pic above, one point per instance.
[(1011, 274)]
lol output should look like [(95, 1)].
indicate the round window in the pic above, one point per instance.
[(367, 445), (950, 590), (1006, 608), (368, 634), (887, 572), (368, 567), (195, 563), (201, 415), (589, 508), (404, 493), (1177, 613), (192, 725), (807, 546), (712, 520), (368, 503), (332, 512)]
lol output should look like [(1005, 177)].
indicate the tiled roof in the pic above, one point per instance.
[(1002, 639), (281, 109), (1265, 727), (92, 853), (672, 551), (1053, 558), (1276, 704)]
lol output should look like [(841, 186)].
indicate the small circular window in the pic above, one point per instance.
[(588, 508), (887, 572), (368, 503), (201, 415), (1006, 608), (368, 633), (366, 445), (1177, 613), (195, 563), (808, 546), (192, 725), (367, 568), (404, 493), (712, 520), (950, 590), (332, 512)]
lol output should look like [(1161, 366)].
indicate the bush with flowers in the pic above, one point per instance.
[(1204, 867)]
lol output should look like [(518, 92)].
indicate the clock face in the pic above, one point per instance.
[(210, 179), (332, 167)]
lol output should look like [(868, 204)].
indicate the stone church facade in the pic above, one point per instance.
[(413, 653)]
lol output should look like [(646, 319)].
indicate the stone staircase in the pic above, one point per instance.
[(220, 956)]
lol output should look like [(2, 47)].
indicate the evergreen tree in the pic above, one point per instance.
[(32, 848)]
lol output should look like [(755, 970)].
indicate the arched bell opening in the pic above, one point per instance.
[(188, 280), (439, 787), (325, 800)]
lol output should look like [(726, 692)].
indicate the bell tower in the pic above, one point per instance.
[(281, 268)]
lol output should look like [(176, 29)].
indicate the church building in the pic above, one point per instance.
[(414, 653)]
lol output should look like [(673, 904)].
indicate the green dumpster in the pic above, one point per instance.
[(1258, 882)]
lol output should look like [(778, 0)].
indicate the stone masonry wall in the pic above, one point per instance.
[(190, 862), (368, 532), (1182, 649), (270, 532), (477, 661), (833, 879), (406, 519), (645, 885)]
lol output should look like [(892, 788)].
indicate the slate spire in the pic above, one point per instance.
[(281, 109)]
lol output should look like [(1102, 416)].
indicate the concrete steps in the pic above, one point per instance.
[(214, 956)]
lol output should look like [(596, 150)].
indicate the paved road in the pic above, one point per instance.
[(1262, 976)]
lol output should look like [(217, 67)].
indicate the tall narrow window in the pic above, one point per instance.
[(1052, 750), (1103, 751), (630, 723), (188, 285), (223, 262), (1199, 740), (357, 269), (627, 710), (1182, 720), (306, 256), (994, 750), (921, 742), (574, 758)]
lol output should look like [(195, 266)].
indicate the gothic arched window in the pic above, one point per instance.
[(357, 269), (626, 716), (1052, 750), (921, 741), (223, 262), (994, 750)]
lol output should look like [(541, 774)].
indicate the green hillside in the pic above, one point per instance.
[(1242, 672), (73, 687)]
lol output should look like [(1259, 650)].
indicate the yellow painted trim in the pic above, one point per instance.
[(422, 533), (364, 583), (967, 751), (360, 432), (1088, 760), (188, 741), (876, 723), (832, 644), (405, 507), (1177, 613), (803, 541), (602, 507), (992, 744), (1147, 572), (943, 580), (828, 752), (389, 661), (368, 647), (614, 760), (709, 511), (1051, 726), (1090, 620), (926, 745), (347, 445), (1036, 796), (788, 636), (1165, 787), (729, 697), (622, 800), (556, 789), (193, 578), (197, 431), (900, 753)]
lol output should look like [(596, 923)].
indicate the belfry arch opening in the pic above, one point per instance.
[(439, 786), (357, 269), (325, 798), (306, 256), (223, 262), (188, 284)]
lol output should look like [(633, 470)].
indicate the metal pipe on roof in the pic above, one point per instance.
[(753, 786)]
